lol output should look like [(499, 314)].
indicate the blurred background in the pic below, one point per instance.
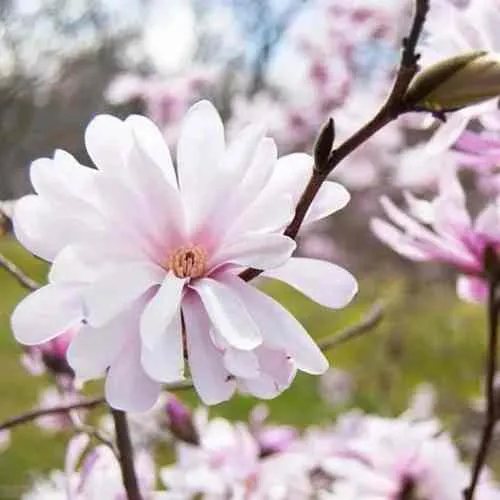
[(290, 64)]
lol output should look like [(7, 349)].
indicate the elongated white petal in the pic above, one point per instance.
[(108, 141), (164, 361), (115, 291), (200, 152), (228, 314), (128, 387), (279, 328), (46, 313), (472, 289), (325, 283), (241, 363), (262, 251), (210, 378), (161, 310), (93, 350), (153, 144), (331, 198)]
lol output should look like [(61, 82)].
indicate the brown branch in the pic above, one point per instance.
[(394, 106), (126, 455), (367, 323), (84, 404), (491, 414), (41, 412), (23, 279)]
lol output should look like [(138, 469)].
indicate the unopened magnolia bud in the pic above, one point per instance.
[(180, 421), (323, 145), (455, 83)]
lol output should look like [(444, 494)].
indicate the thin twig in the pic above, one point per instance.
[(84, 404), (23, 279), (126, 455), (41, 412), (491, 363), (367, 323), (394, 106)]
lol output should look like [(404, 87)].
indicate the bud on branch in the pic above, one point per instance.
[(455, 83), (323, 146)]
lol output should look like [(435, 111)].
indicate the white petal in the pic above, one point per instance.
[(241, 363), (228, 314), (69, 268), (325, 283), (210, 378), (262, 251), (108, 141), (153, 144), (93, 350), (279, 328), (46, 313), (161, 310), (200, 152), (472, 289), (331, 198), (128, 387), (164, 361), (116, 290)]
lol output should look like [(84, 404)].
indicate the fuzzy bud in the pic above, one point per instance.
[(455, 83), (323, 145), (180, 421)]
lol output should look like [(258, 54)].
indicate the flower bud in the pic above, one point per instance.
[(455, 83), (180, 421), (323, 145)]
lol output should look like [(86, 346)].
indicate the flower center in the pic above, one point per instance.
[(188, 262)]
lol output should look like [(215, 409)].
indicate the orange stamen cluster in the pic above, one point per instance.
[(188, 262)]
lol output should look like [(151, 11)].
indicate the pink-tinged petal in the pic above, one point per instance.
[(74, 453), (228, 314), (211, 380), (488, 221), (325, 283), (451, 219), (43, 229), (290, 174), (331, 198), (241, 363), (447, 133), (114, 291), (64, 180), (397, 240), (277, 373), (69, 268), (128, 387), (200, 151), (161, 310), (262, 251), (46, 313), (164, 361), (266, 215), (93, 350), (279, 328), (472, 289), (108, 141), (152, 142), (420, 209), (449, 184)]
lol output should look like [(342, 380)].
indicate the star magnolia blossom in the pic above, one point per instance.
[(443, 231), (146, 259)]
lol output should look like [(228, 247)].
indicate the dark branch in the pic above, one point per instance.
[(23, 279), (367, 323)]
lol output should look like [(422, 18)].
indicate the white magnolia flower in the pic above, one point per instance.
[(146, 259)]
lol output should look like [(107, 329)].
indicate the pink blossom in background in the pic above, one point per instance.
[(50, 356), (443, 231), (136, 235), (51, 397), (93, 475), (4, 440), (165, 100)]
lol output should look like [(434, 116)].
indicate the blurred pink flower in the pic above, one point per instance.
[(443, 231), (136, 235), (51, 397), (94, 475)]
